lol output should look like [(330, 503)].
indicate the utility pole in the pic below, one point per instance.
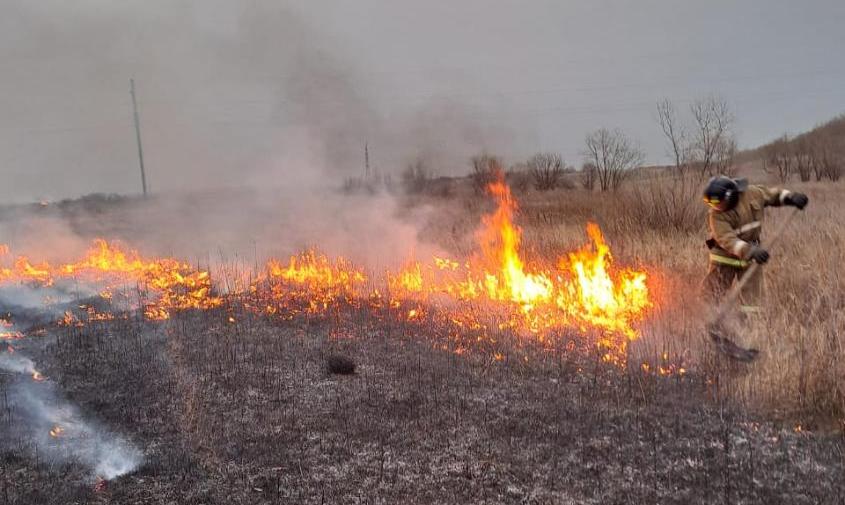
[(138, 135), (366, 161)]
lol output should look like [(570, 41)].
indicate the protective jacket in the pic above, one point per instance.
[(733, 232)]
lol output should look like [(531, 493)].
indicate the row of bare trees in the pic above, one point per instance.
[(543, 171), (609, 158), (701, 146), (701, 142), (815, 155)]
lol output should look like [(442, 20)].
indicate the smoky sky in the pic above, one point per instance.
[(273, 94)]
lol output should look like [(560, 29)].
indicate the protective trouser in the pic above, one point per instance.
[(724, 272)]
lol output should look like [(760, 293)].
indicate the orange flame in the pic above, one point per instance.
[(57, 431), (31, 272), (585, 290), (595, 296), (176, 285), (315, 280), (581, 289), (315, 271), (500, 240)]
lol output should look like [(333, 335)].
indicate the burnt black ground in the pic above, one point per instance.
[(245, 412)]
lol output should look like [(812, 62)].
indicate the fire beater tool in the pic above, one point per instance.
[(720, 335)]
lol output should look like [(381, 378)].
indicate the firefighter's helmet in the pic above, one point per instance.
[(722, 192)]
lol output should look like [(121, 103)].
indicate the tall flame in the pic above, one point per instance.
[(584, 290), (500, 240), (596, 296)]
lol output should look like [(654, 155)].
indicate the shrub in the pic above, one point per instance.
[(546, 170), (518, 178), (416, 178), (666, 202), (485, 170)]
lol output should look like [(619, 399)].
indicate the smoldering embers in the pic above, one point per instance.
[(57, 431)]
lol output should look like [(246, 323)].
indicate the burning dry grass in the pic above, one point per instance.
[(655, 227), (658, 225), (174, 285), (452, 402), (582, 289), (801, 334)]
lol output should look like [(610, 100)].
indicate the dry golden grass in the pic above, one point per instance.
[(659, 223)]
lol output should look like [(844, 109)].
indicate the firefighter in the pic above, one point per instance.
[(735, 222)]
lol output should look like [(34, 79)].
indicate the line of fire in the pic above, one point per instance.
[(497, 288)]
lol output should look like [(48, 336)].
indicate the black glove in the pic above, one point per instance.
[(796, 200), (758, 254)]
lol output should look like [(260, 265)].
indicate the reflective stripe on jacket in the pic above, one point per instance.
[(735, 230), (730, 261)]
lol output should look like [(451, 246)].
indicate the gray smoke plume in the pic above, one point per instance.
[(231, 94), (253, 118)]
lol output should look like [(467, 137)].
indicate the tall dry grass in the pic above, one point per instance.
[(659, 223), (803, 333)]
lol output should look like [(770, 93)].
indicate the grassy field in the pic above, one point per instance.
[(231, 406), (660, 224)]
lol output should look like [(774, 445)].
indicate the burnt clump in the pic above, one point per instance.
[(340, 365)]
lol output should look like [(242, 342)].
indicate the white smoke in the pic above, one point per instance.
[(17, 364), (45, 298), (60, 431)]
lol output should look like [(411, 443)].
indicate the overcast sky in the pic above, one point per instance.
[(269, 93)]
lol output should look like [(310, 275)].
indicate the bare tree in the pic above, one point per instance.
[(835, 165), (713, 123), (805, 157), (723, 162), (829, 157), (777, 157), (708, 147), (819, 153), (675, 133), (588, 176), (416, 177), (613, 155), (546, 170), (518, 177), (485, 170), (821, 149)]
